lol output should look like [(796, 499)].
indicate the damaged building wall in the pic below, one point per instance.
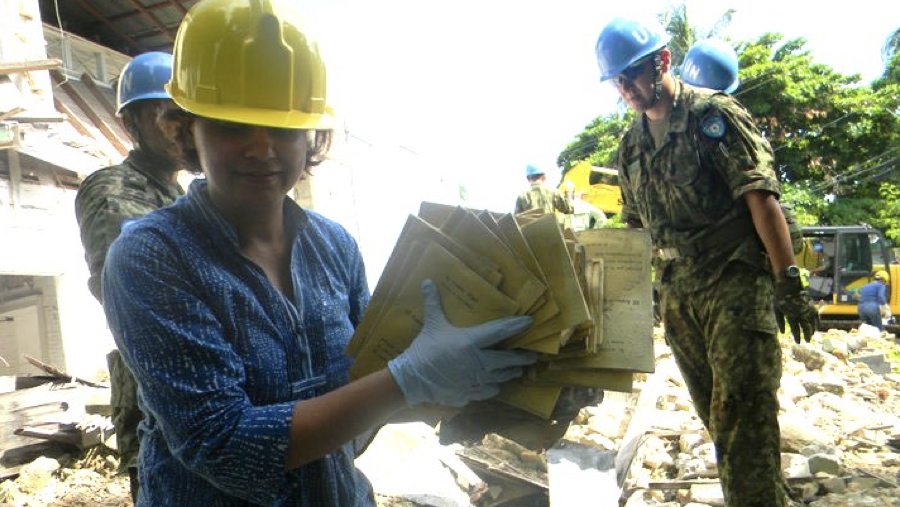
[(41, 242), (41, 166)]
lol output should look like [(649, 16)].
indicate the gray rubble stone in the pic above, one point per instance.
[(710, 494), (826, 463), (876, 362), (812, 356), (833, 485), (795, 466)]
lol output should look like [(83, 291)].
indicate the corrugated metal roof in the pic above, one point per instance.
[(128, 26)]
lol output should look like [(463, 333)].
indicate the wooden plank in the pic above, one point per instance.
[(55, 434), (12, 112), (30, 65), (52, 370), (40, 119), (92, 115), (685, 484), (100, 96), (73, 119), (44, 407), (15, 179)]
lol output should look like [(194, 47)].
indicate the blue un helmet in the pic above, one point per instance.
[(623, 42), (712, 64), (144, 78), (532, 170)]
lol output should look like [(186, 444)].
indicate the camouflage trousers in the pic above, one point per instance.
[(125, 416), (724, 339)]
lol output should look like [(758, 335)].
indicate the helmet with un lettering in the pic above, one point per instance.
[(713, 64), (252, 62), (144, 77), (625, 41)]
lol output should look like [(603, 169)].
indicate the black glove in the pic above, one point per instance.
[(791, 305)]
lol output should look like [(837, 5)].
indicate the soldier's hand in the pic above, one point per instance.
[(792, 307)]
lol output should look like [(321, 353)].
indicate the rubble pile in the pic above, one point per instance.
[(839, 422), (88, 479)]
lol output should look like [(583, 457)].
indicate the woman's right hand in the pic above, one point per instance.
[(451, 365)]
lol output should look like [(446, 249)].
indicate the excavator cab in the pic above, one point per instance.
[(840, 260)]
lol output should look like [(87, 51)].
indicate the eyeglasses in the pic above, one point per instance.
[(630, 74)]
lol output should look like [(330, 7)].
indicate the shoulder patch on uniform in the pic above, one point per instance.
[(713, 126)]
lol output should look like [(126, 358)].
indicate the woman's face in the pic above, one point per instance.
[(247, 166)]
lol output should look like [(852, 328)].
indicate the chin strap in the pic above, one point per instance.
[(657, 78)]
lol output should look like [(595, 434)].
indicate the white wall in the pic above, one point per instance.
[(46, 243)]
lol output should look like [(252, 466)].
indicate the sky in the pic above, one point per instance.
[(478, 89)]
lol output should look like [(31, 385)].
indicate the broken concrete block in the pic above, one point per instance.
[(826, 463), (810, 355), (795, 466), (833, 485), (710, 494), (876, 362), (808, 490), (688, 442)]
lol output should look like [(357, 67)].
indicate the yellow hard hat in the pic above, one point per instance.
[(882, 274), (249, 61)]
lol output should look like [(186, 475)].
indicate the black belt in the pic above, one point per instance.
[(726, 235)]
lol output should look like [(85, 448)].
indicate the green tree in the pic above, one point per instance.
[(684, 33), (820, 122), (890, 53), (833, 136), (598, 142)]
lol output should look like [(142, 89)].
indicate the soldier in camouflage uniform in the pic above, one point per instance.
[(696, 172), (108, 198), (538, 196)]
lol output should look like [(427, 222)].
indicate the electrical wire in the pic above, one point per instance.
[(62, 42), (859, 170)]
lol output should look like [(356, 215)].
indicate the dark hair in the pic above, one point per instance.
[(176, 125), (535, 177), (131, 114)]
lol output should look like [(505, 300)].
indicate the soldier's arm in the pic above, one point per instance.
[(562, 204), (770, 225), (629, 214), (100, 223), (745, 161), (521, 205)]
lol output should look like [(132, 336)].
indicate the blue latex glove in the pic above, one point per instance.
[(449, 365)]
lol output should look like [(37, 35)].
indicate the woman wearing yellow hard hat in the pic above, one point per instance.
[(233, 307), (872, 299)]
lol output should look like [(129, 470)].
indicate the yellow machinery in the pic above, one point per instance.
[(840, 260), (599, 186)]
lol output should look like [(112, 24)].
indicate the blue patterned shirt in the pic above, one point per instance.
[(221, 356)]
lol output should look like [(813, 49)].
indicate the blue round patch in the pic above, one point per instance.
[(714, 126)]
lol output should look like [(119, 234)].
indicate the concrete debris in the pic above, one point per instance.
[(840, 441), (840, 429), (415, 473)]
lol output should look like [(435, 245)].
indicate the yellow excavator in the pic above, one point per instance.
[(599, 186), (840, 260)]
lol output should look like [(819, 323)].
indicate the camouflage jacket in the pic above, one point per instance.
[(110, 196), (541, 197), (689, 191)]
